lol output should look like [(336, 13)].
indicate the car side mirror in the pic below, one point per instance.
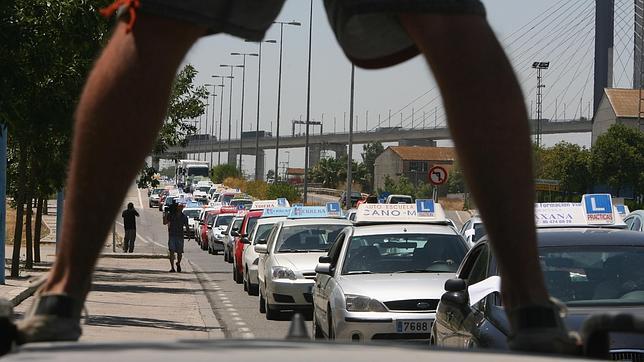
[(245, 240), (234, 233), (457, 296), (209, 227), (261, 249), (261, 242), (323, 268), (325, 259)]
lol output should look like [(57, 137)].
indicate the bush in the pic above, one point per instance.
[(235, 183), (222, 172), (287, 191), (256, 189)]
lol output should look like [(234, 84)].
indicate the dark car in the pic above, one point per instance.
[(591, 270), (355, 197)]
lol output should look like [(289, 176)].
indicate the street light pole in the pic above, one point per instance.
[(279, 92), (212, 127), (230, 105), (241, 120), (308, 111), (221, 113), (259, 87), (349, 158)]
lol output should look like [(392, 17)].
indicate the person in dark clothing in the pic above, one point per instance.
[(129, 224), (176, 221)]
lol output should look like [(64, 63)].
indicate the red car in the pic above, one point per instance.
[(209, 217), (247, 225)]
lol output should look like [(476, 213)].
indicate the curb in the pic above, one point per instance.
[(29, 291), (208, 312), (134, 256)]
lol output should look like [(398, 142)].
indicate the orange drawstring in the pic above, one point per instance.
[(131, 5)]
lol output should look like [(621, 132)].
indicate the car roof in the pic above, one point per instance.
[(317, 221), (363, 230), (254, 213), (270, 220), (639, 213), (586, 236)]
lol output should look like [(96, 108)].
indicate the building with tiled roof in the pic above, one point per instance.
[(618, 106), (412, 161)]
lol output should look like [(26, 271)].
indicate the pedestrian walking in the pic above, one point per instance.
[(177, 222), (129, 224)]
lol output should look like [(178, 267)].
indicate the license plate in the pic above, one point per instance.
[(413, 326)]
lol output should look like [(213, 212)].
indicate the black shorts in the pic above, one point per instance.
[(368, 31)]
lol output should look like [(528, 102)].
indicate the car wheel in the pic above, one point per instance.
[(330, 321), (272, 314), (234, 273), (245, 282), (262, 306), (240, 278)]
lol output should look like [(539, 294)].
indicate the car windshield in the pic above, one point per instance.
[(198, 171), (169, 199), (404, 253), (224, 219), (401, 200), (245, 203), (211, 219), (225, 199), (252, 221), (479, 231), (588, 276), (306, 238), (203, 188), (156, 191), (193, 214)]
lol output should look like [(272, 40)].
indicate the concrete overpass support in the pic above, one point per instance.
[(424, 143), (233, 158), (314, 155), (261, 168), (339, 150)]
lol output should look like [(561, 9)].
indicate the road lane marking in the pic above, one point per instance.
[(145, 240), (138, 192)]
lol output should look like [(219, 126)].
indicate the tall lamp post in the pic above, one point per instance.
[(259, 87), (308, 112), (279, 91), (241, 121), (349, 158), (230, 101), (221, 113), (212, 127), (539, 66)]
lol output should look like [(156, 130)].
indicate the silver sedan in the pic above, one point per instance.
[(384, 281)]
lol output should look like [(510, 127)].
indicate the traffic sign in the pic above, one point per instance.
[(437, 175)]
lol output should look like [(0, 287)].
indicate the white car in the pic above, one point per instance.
[(399, 199), (216, 230), (259, 235), (229, 240), (286, 268), (473, 230), (193, 214), (383, 277)]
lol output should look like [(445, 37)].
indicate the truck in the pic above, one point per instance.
[(189, 172)]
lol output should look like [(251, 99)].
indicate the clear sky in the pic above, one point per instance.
[(556, 30)]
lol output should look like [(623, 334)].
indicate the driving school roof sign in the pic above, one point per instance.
[(266, 204), (304, 212), (276, 212), (594, 210), (424, 211)]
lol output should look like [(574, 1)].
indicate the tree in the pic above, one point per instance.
[(187, 101), (456, 180), (329, 172), (168, 171), (222, 172), (400, 187), (568, 163), (370, 152), (617, 159), (280, 189), (46, 49)]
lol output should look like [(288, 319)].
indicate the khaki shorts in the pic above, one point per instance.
[(368, 31)]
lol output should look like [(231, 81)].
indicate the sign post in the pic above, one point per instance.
[(437, 177), (3, 197)]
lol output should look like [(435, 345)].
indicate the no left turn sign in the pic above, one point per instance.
[(437, 175)]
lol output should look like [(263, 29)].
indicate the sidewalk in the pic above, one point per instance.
[(135, 298)]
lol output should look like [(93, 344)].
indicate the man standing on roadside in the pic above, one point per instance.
[(129, 224), (176, 221)]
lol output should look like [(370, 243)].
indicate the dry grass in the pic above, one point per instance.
[(11, 226), (452, 204)]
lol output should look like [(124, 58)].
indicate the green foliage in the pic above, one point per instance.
[(329, 172), (221, 172), (370, 152), (568, 163), (617, 159), (168, 171), (187, 101), (147, 178), (456, 180), (402, 187), (280, 189), (256, 189)]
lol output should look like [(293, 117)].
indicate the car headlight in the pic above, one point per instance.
[(359, 303), (280, 272)]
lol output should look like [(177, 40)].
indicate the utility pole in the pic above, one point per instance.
[(349, 157), (241, 121), (230, 105), (308, 112), (539, 66)]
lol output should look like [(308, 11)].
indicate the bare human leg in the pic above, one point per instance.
[(117, 120), (171, 257), (473, 73)]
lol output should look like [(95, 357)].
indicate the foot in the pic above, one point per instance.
[(541, 329), (178, 268), (52, 317)]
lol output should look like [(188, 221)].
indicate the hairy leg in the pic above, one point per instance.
[(117, 120), (486, 112)]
